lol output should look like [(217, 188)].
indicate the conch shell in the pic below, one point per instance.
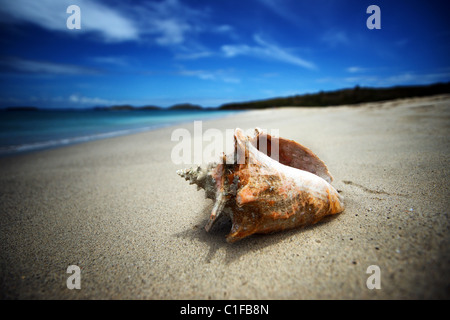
[(263, 195)]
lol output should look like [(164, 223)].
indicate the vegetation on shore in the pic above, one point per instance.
[(355, 95)]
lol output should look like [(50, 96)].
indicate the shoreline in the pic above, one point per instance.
[(71, 140), (117, 209)]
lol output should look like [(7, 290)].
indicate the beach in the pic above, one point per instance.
[(117, 209)]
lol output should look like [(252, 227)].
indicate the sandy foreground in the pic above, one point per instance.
[(117, 209)]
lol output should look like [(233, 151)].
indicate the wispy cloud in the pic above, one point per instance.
[(47, 101), (169, 22), (402, 42), (335, 38), (80, 99), (282, 9), (225, 28), (214, 75), (403, 78), (111, 60), (201, 74), (193, 55), (14, 64), (415, 78), (96, 17), (266, 50), (165, 23), (355, 69), (171, 31)]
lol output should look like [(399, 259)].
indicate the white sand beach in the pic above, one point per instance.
[(117, 209)]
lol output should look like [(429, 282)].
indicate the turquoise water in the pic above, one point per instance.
[(33, 130)]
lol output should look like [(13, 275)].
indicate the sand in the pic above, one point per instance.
[(117, 209)]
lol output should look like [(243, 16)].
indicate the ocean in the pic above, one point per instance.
[(22, 131)]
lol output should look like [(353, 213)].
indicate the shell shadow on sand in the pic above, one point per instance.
[(215, 238)]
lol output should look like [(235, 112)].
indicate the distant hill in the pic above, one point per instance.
[(344, 96), (126, 107), (320, 99), (186, 106), (21, 108), (121, 107), (149, 108)]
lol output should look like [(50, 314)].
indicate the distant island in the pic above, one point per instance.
[(186, 106), (22, 108), (127, 107), (349, 96)]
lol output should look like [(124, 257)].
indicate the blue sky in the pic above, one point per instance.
[(210, 52)]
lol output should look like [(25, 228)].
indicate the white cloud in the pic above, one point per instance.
[(335, 37), (171, 31), (44, 67), (405, 78), (97, 18), (169, 22), (111, 60), (231, 80), (214, 75), (266, 50), (282, 9), (201, 74), (411, 77), (194, 55), (402, 42), (79, 99), (355, 69), (46, 101), (224, 28), (402, 78)]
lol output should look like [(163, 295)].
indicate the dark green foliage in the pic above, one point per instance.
[(344, 96)]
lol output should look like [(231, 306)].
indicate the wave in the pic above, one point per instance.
[(73, 140)]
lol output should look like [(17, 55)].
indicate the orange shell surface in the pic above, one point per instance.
[(263, 195)]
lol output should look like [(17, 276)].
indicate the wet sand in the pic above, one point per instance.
[(117, 209)]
